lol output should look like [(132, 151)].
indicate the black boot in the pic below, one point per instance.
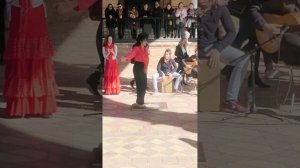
[(132, 84), (93, 82), (258, 82)]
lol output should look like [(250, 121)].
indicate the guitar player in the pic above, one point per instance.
[(290, 43), (240, 9)]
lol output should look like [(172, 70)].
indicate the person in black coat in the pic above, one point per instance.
[(110, 17), (157, 14), (181, 52), (145, 17), (169, 20), (121, 16)]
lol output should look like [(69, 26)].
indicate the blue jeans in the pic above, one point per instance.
[(228, 55), (176, 75), (180, 30)]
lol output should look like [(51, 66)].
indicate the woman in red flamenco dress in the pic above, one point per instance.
[(30, 87), (111, 78)]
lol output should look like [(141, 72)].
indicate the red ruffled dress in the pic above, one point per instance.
[(111, 78), (30, 88)]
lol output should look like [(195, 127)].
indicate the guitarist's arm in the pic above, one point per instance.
[(260, 22)]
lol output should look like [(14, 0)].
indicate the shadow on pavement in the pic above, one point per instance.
[(19, 149)]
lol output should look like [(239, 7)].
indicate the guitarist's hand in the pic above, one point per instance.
[(214, 56), (272, 29)]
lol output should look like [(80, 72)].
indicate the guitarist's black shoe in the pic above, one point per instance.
[(132, 84), (258, 82)]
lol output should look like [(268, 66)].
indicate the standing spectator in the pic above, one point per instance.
[(180, 19), (145, 15), (2, 30), (30, 87), (110, 17), (133, 15), (169, 14), (157, 14), (121, 20), (166, 67), (140, 54), (111, 70), (191, 20)]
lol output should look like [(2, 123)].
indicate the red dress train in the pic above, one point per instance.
[(30, 87)]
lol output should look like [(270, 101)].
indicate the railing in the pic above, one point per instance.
[(127, 29)]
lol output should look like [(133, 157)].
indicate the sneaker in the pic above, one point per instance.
[(272, 74), (138, 106), (132, 84), (235, 106)]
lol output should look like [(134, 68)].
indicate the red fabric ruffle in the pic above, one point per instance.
[(24, 48), (111, 78), (27, 78), (30, 87), (30, 106)]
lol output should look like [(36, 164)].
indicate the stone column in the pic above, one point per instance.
[(195, 2)]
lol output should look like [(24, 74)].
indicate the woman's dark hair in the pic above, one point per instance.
[(169, 4), (140, 38), (106, 40), (109, 5), (180, 4)]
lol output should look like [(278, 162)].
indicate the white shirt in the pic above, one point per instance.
[(106, 54)]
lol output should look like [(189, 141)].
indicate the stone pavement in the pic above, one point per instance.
[(149, 139), (268, 139)]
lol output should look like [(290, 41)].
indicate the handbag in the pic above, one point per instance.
[(95, 11)]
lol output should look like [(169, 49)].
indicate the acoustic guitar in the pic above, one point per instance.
[(292, 20), (188, 70)]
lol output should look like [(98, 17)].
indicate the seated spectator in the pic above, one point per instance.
[(166, 67)]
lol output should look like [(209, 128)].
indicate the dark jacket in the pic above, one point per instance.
[(124, 15), (208, 26), (166, 67), (110, 22), (157, 12), (169, 13), (179, 57)]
